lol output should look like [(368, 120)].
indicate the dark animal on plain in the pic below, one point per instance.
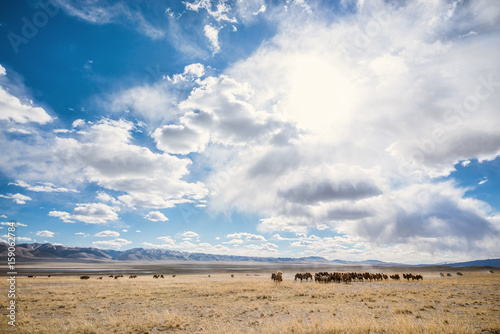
[(232, 275), (490, 272), (419, 277), (155, 276), (459, 274), (85, 277), (409, 276), (208, 275), (117, 276), (279, 277), (307, 276), (100, 277), (30, 276), (48, 276), (396, 277), (441, 274), (385, 276), (273, 276), (173, 275), (298, 276), (160, 276), (110, 276), (132, 276), (449, 275)]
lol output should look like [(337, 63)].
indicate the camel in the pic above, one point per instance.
[(279, 277)]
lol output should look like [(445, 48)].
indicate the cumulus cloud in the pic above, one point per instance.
[(338, 83), (156, 216), (91, 213), (218, 112), (17, 198), (167, 240), (105, 155), (107, 234), (14, 110), (115, 243), (45, 234), (189, 235)]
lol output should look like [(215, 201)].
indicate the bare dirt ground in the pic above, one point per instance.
[(252, 303)]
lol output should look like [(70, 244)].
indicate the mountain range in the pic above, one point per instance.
[(48, 252)]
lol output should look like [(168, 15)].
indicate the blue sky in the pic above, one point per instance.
[(344, 129)]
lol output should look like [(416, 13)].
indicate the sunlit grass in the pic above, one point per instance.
[(249, 304)]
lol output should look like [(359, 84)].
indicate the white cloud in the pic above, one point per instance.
[(190, 235), (179, 139), (42, 187), (64, 216), (19, 130), (104, 155), (12, 109), (91, 213), (82, 234), (2, 70), (247, 236), (337, 84), (156, 216), (17, 224), (105, 13), (77, 123), (168, 240), (483, 181), (191, 73), (45, 233), (22, 239), (212, 34), (17, 198), (234, 242), (220, 13), (104, 197), (107, 234), (116, 243)]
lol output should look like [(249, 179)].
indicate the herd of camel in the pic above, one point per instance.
[(336, 277)]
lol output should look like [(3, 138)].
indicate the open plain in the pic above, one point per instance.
[(253, 303)]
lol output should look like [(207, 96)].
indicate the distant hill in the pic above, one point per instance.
[(476, 263), (49, 252)]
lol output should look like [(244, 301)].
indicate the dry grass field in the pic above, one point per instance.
[(254, 304)]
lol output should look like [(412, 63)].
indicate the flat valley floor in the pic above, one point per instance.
[(252, 303)]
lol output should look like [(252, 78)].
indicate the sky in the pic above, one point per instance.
[(345, 129)]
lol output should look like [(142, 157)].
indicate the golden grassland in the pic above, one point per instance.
[(253, 304)]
